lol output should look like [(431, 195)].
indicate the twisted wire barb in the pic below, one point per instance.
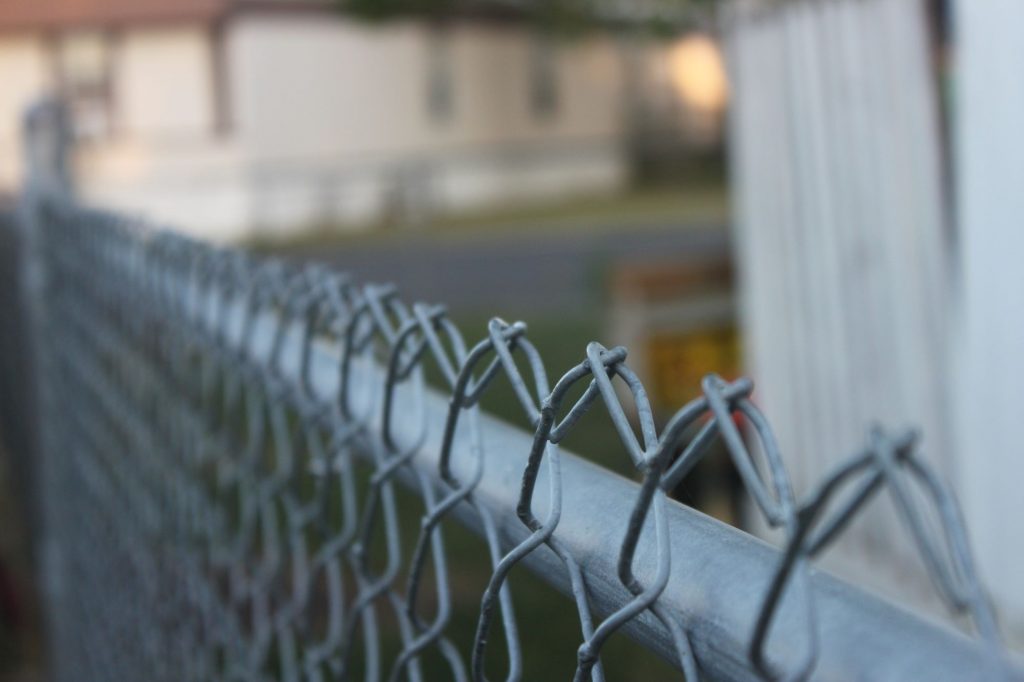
[(212, 515)]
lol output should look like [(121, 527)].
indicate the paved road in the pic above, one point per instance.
[(518, 274)]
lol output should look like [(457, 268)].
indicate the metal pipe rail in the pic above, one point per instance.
[(719, 574), (202, 418)]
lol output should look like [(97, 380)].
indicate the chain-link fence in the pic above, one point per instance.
[(224, 447)]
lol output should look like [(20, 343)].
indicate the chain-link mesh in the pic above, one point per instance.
[(224, 443)]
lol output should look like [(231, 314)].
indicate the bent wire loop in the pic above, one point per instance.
[(263, 486)]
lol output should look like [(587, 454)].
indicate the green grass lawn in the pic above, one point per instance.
[(700, 201)]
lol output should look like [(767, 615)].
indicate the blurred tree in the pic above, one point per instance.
[(388, 9), (666, 17)]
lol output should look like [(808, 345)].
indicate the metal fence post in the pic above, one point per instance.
[(47, 182)]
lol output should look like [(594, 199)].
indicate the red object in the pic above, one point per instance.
[(58, 14), (10, 604)]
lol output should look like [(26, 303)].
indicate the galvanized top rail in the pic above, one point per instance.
[(203, 417)]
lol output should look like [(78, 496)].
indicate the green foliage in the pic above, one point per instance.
[(377, 10), (565, 17)]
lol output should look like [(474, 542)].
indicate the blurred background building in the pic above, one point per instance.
[(488, 158), (238, 117)]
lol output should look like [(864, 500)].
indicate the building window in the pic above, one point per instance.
[(84, 80), (543, 77), (440, 76)]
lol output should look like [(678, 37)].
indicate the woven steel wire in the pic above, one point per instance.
[(201, 499)]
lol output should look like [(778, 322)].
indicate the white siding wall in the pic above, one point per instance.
[(164, 83), (334, 121), (25, 72), (842, 246), (316, 88), (321, 86), (166, 160), (857, 306), (990, 182), (329, 120)]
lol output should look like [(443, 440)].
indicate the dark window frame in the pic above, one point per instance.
[(544, 78)]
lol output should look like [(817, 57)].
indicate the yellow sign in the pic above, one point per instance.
[(679, 360)]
